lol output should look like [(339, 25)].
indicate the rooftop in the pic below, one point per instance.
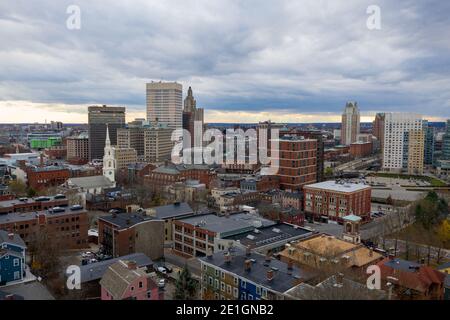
[(95, 271), (17, 240), (283, 278), (125, 220), (338, 187), (270, 235), (172, 210), (19, 216), (91, 182), (11, 203), (227, 225)]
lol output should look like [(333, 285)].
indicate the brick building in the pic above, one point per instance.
[(66, 225), (44, 177), (297, 162), (169, 174), (32, 204), (361, 149), (126, 233), (78, 149), (332, 200)]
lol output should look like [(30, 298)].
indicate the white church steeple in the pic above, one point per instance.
[(109, 160)]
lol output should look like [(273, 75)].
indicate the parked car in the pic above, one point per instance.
[(161, 283), (161, 269)]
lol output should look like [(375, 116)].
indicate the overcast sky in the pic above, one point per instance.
[(289, 61)]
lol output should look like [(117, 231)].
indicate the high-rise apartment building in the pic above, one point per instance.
[(165, 104), (78, 149), (297, 162), (350, 123), (428, 157), (98, 118), (403, 147), (446, 143)]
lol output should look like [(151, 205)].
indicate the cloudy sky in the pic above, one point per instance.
[(247, 60)]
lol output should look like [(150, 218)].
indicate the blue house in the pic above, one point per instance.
[(12, 257)]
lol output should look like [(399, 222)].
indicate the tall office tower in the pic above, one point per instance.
[(297, 162), (191, 114), (403, 147), (152, 143), (165, 104), (446, 143), (428, 144), (378, 128), (350, 124), (98, 118)]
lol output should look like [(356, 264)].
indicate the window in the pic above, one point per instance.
[(244, 284), (16, 262), (216, 283), (141, 284), (235, 292), (258, 290), (16, 275), (149, 294), (222, 286)]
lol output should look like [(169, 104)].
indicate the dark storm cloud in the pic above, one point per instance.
[(295, 56)]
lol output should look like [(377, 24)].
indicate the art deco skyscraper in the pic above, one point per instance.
[(350, 123), (165, 104), (191, 114)]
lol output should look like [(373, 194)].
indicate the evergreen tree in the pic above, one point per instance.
[(185, 286)]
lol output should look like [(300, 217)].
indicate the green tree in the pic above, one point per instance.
[(31, 192), (185, 286), (18, 188)]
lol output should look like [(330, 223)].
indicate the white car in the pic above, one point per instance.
[(161, 283), (86, 254), (162, 270)]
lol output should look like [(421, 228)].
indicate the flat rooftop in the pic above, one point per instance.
[(172, 210), (270, 234), (11, 203), (126, 220), (20, 216), (343, 187), (227, 226)]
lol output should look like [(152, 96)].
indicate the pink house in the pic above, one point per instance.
[(124, 281)]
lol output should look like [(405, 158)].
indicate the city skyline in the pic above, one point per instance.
[(302, 67)]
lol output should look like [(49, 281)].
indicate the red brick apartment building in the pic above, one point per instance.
[(44, 177), (297, 162), (361, 149), (125, 233), (330, 201), (32, 204), (68, 226)]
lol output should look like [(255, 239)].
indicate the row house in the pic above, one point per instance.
[(41, 203), (238, 274)]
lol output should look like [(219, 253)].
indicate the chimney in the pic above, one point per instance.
[(269, 275), (340, 279), (128, 221), (290, 265), (247, 265), (371, 252), (132, 265), (41, 162), (227, 258), (11, 236)]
